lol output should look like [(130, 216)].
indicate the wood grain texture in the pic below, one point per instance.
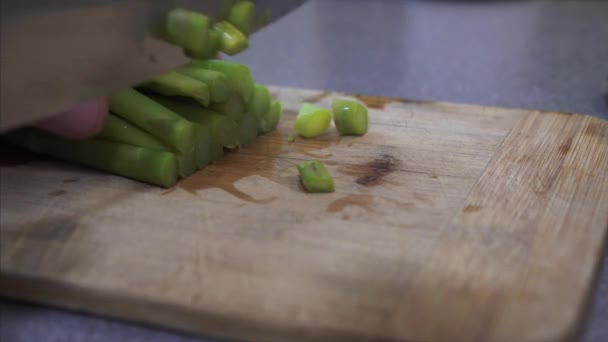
[(449, 223)]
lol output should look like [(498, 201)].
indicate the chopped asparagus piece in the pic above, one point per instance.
[(187, 29), (248, 129), (117, 129), (312, 121), (202, 152), (210, 50), (217, 151), (260, 102), (350, 117), (139, 163), (173, 83), (232, 41), (242, 16), (238, 75), (154, 118), (234, 108), (291, 138), (270, 121), (315, 177), (218, 83), (223, 130)]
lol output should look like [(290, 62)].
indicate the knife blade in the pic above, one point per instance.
[(54, 54)]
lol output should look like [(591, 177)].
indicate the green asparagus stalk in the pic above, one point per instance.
[(239, 75), (224, 131), (350, 117), (187, 29), (117, 129), (210, 50), (139, 163), (232, 41), (242, 15), (248, 129), (269, 122), (312, 121), (260, 105), (234, 108), (219, 86), (174, 83), (315, 177)]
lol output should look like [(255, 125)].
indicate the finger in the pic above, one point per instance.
[(81, 122)]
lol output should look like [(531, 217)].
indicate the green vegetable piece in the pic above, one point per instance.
[(187, 29), (239, 75), (117, 129), (219, 86), (260, 105), (139, 163), (271, 119), (248, 129), (224, 131), (312, 121), (176, 84), (315, 177), (350, 117), (234, 108), (154, 118), (210, 50), (232, 41), (217, 151), (291, 138), (242, 16)]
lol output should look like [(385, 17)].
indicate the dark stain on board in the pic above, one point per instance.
[(597, 128), (471, 208), (57, 193), (357, 200), (70, 180), (373, 172)]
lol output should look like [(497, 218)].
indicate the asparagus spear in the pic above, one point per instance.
[(187, 29), (239, 75), (312, 120), (269, 122), (173, 83), (224, 131), (315, 177), (350, 117), (139, 163), (209, 50), (260, 103), (119, 130), (153, 118), (234, 108), (218, 84), (248, 129), (232, 41), (242, 15)]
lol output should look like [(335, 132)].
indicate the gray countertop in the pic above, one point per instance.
[(550, 55)]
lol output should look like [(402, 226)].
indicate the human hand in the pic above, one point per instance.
[(83, 121)]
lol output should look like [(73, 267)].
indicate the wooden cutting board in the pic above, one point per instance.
[(449, 223)]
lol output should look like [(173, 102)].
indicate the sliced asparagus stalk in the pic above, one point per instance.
[(242, 16), (315, 177), (187, 29), (269, 122), (248, 129), (260, 102), (238, 75), (210, 50), (139, 163), (224, 131), (232, 41), (350, 117), (312, 121), (154, 118), (117, 129), (173, 83), (219, 86), (234, 108)]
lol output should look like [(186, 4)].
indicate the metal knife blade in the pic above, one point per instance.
[(54, 54)]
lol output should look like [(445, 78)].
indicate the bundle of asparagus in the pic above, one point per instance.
[(179, 122)]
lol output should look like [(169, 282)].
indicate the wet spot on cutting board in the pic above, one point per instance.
[(376, 102), (57, 193), (597, 128), (471, 208), (373, 172), (565, 147), (357, 200), (317, 97)]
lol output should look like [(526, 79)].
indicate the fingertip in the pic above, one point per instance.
[(81, 122)]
